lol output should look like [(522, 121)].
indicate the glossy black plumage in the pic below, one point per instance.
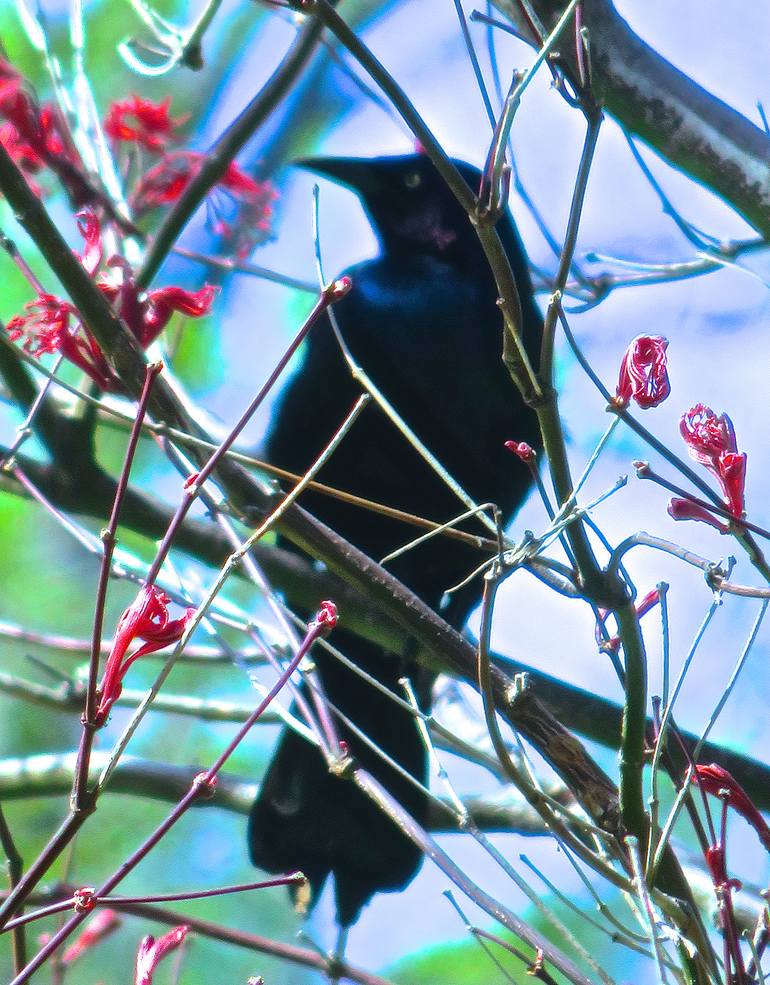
[(422, 320)]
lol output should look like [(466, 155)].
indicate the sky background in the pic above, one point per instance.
[(718, 354)]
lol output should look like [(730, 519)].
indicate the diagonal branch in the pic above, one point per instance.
[(688, 126), (590, 715)]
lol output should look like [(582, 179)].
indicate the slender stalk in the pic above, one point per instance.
[(301, 956), (666, 722), (496, 157), (700, 745), (202, 786), (328, 296), (634, 723), (228, 145), (108, 541), (594, 122), (547, 411), (15, 869), (632, 844), (517, 776), (377, 793)]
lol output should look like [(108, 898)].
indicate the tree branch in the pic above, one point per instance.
[(688, 126), (593, 717)]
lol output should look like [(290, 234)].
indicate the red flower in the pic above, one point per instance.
[(685, 509), (23, 154), (643, 373), (146, 619), (162, 302), (33, 134), (716, 780), (325, 619), (165, 182), (100, 925), (143, 122), (152, 951), (711, 442), (525, 452), (48, 327)]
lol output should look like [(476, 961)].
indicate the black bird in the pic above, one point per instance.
[(422, 320)]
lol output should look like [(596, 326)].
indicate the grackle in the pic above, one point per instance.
[(422, 320)]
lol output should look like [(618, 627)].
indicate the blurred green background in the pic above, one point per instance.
[(48, 580)]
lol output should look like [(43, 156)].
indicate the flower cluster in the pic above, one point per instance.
[(643, 373), (166, 181), (36, 138), (53, 325), (147, 618), (711, 442), (143, 124)]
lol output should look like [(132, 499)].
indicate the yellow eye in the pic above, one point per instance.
[(413, 180)]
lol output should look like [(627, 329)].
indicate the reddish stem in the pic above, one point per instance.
[(80, 780), (201, 787), (328, 296)]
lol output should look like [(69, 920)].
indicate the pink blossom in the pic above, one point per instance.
[(147, 618), (706, 435), (685, 509), (152, 951), (326, 618), (643, 373), (711, 442)]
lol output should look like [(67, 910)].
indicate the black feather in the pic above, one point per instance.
[(422, 320)]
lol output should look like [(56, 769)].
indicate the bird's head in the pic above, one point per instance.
[(406, 199)]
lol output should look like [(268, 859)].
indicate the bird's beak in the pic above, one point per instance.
[(356, 173)]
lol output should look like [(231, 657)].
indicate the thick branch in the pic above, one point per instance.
[(692, 129), (37, 776), (594, 717)]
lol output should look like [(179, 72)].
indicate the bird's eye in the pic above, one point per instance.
[(413, 180)]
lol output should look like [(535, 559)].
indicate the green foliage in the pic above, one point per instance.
[(197, 357), (472, 962), (459, 962)]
